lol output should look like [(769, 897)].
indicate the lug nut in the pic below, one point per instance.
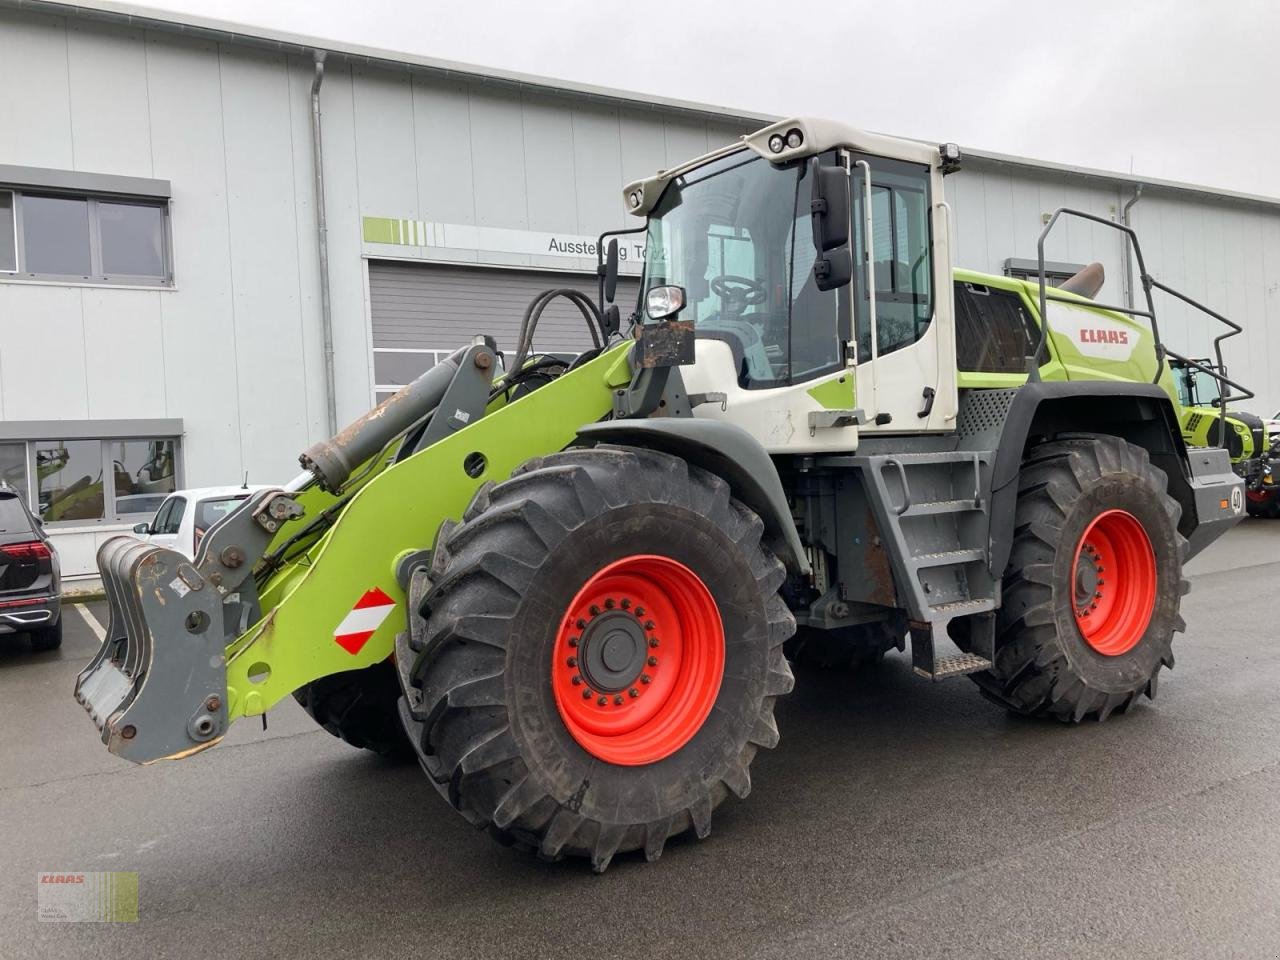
[(573, 641), (639, 611), (577, 682), (608, 604), (653, 661), (586, 694), (582, 624), (618, 700), (645, 678), (653, 641), (634, 692), (572, 662), (595, 611), (648, 624), (626, 604), (603, 700)]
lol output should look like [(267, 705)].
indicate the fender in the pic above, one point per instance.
[(727, 451), (1141, 413)]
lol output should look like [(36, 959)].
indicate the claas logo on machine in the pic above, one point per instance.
[(1103, 335)]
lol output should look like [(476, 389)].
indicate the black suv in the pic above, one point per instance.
[(30, 582)]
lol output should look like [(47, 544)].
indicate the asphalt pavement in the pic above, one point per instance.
[(895, 819)]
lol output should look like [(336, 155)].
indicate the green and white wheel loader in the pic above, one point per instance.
[(565, 584)]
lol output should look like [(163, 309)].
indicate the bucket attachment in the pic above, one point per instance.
[(157, 689), (160, 604)]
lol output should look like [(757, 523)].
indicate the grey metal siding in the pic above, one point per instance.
[(437, 307)]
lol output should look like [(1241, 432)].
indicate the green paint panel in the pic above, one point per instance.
[(381, 230), (838, 393)]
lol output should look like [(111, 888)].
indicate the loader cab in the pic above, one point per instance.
[(815, 332)]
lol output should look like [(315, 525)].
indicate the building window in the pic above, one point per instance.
[(91, 480), (84, 238)]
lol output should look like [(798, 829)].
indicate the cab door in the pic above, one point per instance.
[(904, 318)]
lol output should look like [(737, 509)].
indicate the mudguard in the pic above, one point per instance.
[(727, 451)]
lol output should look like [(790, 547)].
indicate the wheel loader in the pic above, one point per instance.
[(564, 584)]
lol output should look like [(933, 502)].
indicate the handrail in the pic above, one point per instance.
[(1149, 283)]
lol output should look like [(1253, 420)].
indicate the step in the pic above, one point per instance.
[(955, 666), (960, 608), (928, 507), (947, 557)]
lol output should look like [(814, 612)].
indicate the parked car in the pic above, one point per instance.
[(186, 516), (30, 579)]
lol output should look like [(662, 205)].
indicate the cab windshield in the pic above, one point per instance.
[(736, 234)]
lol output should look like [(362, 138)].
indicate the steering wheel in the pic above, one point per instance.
[(738, 293)]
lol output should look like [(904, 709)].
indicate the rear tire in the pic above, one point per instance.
[(47, 638), (1077, 637), (510, 743), (360, 707)]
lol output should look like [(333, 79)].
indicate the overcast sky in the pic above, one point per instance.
[(1178, 89)]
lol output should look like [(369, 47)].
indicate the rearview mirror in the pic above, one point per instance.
[(829, 210), (611, 271)]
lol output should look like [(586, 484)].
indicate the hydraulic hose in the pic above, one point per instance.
[(533, 313)]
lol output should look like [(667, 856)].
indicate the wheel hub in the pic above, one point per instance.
[(613, 649)]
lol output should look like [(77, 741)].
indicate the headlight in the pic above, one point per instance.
[(794, 137), (776, 143), (663, 302)]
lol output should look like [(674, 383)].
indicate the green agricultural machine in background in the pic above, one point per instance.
[(565, 586), (1253, 448)]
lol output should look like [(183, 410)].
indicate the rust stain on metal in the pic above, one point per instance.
[(877, 564)]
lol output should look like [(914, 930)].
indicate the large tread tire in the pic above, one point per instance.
[(492, 739), (1043, 665), (360, 707)]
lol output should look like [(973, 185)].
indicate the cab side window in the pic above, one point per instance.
[(902, 265), (994, 331)]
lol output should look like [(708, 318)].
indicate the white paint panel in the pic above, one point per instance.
[(42, 322), (124, 339), (264, 262), (110, 116), (497, 157), (388, 173), (199, 336), (35, 106), (442, 150)]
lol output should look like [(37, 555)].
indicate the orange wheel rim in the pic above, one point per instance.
[(638, 660), (1113, 579)]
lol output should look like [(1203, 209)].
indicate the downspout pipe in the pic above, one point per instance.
[(322, 246), (1129, 298)]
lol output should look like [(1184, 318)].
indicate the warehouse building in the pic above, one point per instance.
[(165, 277)]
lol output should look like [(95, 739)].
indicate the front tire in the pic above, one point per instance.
[(1094, 582), (602, 654), (360, 707)]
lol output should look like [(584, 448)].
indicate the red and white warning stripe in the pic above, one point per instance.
[(365, 617)]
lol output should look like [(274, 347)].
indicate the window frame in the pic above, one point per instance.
[(110, 514), (96, 276), (13, 213)]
